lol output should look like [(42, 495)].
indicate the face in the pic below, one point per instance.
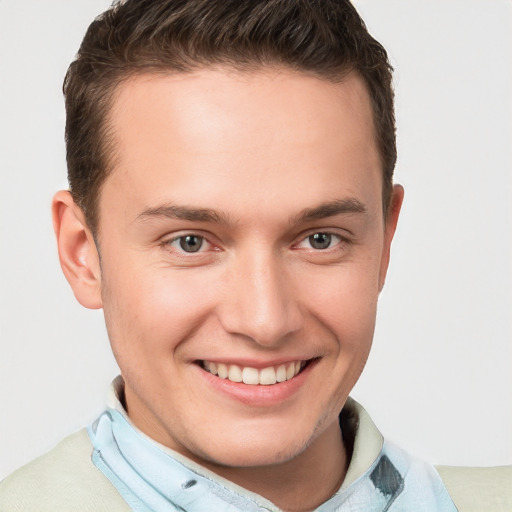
[(243, 248)]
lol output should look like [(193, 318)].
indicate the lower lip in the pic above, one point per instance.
[(258, 395)]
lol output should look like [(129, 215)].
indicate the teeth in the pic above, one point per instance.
[(267, 376), (281, 373), (234, 373), (290, 370), (222, 371), (253, 376), (249, 376)]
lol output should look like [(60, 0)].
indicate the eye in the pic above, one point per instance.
[(189, 243), (320, 241)]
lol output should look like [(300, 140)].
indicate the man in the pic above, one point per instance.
[(231, 209)]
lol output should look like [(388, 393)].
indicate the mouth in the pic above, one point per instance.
[(267, 376)]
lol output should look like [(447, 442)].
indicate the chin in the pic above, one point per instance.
[(261, 449), (241, 457)]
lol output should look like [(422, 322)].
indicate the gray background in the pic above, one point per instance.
[(439, 380)]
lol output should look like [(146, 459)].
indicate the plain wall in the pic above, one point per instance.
[(439, 379)]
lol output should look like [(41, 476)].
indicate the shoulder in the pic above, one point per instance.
[(64, 479), (476, 489)]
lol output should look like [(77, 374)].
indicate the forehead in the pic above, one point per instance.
[(286, 134), (210, 100)]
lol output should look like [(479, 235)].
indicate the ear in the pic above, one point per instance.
[(391, 221), (78, 254)]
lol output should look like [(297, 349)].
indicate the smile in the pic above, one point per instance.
[(253, 376)]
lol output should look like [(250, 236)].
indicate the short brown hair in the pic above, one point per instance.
[(324, 37)]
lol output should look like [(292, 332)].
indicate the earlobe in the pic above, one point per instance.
[(389, 230), (78, 254)]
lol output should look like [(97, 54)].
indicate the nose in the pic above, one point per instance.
[(260, 302)]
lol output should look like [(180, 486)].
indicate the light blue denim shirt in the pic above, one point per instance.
[(152, 478)]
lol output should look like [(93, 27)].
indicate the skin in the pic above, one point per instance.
[(254, 156)]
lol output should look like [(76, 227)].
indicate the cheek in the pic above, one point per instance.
[(154, 310), (346, 300)]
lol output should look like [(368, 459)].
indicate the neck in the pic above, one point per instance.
[(301, 484)]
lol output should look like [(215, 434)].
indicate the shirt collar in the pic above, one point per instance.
[(153, 478)]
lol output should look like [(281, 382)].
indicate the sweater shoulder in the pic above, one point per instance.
[(474, 489), (63, 479)]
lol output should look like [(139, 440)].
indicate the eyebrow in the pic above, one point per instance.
[(324, 210), (332, 208), (184, 213)]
